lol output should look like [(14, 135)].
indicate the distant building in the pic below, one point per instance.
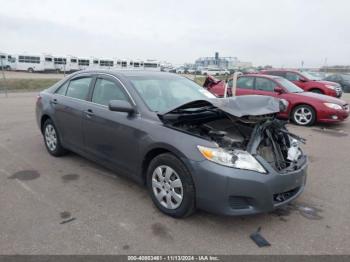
[(227, 62)]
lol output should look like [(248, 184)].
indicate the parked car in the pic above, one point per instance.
[(214, 71), (342, 79), (192, 150), (315, 74), (305, 108), (181, 70), (307, 82)]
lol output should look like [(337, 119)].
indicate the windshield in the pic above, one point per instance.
[(346, 78), (289, 86), (164, 93), (310, 76)]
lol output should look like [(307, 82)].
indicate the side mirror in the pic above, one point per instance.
[(121, 106), (302, 79), (278, 90)]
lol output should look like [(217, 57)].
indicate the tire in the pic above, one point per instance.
[(165, 195), (52, 139), (30, 70), (8, 68), (303, 115), (317, 91)]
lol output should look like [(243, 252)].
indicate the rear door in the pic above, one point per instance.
[(69, 102), (111, 136)]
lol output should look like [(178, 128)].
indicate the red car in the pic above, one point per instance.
[(307, 82), (304, 108)]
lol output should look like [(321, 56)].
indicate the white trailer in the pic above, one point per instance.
[(121, 64), (106, 63), (152, 65), (94, 63), (32, 63), (136, 64), (5, 61), (83, 63), (66, 63)]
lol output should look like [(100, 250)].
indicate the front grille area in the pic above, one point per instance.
[(239, 202), (284, 196)]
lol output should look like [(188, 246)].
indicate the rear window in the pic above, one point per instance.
[(276, 73), (79, 88)]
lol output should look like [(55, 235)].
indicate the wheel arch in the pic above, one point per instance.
[(316, 88), (156, 151), (42, 121)]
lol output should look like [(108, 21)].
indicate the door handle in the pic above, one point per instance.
[(89, 113), (54, 101)]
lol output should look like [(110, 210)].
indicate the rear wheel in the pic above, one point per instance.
[(30, 70), (52, 140), (170, 186), (304, 115)]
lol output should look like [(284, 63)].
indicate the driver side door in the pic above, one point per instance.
[(265, 86), (110, 136)]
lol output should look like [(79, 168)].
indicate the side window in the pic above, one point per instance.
[(277, 73), (79, 88), (62, 89), (245, 82), (292, 76), (106, 90), (264, 84)]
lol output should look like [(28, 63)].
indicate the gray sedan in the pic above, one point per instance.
[(192, 150)]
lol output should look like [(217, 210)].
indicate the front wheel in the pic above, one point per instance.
[(304, 115), (317, 91), (170, 186), (52, 140)]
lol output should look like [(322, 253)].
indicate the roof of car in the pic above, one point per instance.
[(281, 70), (129, 73), (262, 75)]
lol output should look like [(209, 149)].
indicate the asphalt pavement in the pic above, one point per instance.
[(70, 205)]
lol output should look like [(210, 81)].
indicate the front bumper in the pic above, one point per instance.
[(231, 191), (337, 92), (332, 115)]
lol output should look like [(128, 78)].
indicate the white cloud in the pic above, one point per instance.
[(264, 32)]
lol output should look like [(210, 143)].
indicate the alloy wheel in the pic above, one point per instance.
[(303, 116)]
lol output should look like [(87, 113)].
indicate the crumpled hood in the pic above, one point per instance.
[(239, 106)]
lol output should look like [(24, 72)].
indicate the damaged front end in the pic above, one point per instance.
[(244, 128)]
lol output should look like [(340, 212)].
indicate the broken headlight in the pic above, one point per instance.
[(235, 158)]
